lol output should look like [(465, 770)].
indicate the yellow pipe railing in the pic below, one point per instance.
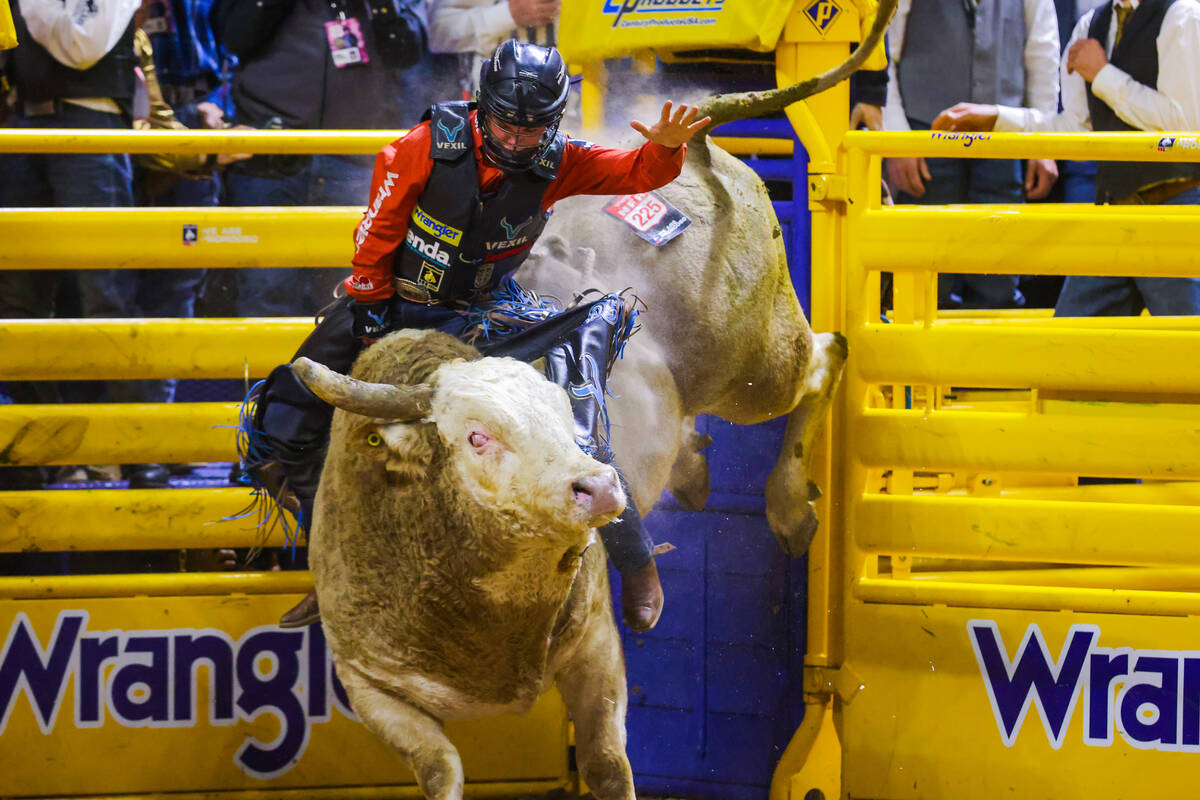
[(131, 519), (1057, 358), (135, 349), (1028, 530), (1032, 598), (235, 141), (1148, 447), (102, 238), (1077, 146), (171, 584), (123, 433), (1046, 239)]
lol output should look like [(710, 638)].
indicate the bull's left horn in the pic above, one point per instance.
[(380, 400)]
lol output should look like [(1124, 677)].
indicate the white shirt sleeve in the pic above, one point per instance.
[(894, 118), (1175, 104), (469, 26), (1041, 55), (77, 33), (1073, 117)]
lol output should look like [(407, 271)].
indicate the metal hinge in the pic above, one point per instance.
[(827, 188), (841, 682)]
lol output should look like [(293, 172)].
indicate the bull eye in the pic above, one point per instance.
[(478, 439), (374, 439)]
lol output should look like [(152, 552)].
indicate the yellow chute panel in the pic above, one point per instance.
[(607, 28)]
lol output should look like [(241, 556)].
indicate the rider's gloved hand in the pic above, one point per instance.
[(372, 320)]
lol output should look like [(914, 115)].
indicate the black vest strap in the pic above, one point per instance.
[(1137, 55), (450, 126)]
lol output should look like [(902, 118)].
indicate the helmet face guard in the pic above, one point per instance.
[(522, 95)]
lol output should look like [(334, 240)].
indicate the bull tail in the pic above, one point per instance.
[(747, 105)]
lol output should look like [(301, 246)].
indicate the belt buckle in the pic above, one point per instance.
[(413, 292)]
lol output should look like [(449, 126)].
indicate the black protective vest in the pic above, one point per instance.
[(460, 243), (1136, 54), (39, 77)]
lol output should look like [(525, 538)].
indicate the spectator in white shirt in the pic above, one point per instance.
[(473, 29), (941, 51), (1129, 66)]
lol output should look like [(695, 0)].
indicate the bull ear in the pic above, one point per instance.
[(379, 400)]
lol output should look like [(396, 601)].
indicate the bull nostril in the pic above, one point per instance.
[(581, 492)]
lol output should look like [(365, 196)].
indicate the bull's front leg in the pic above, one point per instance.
[(593, 686), (790, 493), (416, 736)]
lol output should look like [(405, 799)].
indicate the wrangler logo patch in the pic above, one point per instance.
[(441, 230)]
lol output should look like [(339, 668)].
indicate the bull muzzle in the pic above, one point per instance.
[(380, 400), (600, 497)]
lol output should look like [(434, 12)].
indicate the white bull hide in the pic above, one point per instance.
[(723, 333)]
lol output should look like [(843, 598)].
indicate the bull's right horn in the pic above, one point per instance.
[(379, 400)]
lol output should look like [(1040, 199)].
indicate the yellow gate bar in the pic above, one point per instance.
[(495, 789), (168, 584), (1033, 598), (1155, 579), (1028, 530), (130, 349), (194, 141), (103, 238), (1129, 447), (753, 146), (129, 519), (1073, 239), (1137, 146), (1058, 358), (117, 433), (1041, 317)]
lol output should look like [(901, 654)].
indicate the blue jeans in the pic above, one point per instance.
[(1102, 296), (55, 180), (969, 180), (323, 181)]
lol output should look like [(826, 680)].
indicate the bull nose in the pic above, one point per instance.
[(600, 496)]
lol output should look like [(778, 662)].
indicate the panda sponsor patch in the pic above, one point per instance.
[(650, 215)]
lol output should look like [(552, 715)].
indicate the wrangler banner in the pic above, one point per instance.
[(126, 696), (597, 29)]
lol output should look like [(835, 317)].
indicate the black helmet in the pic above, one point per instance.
[(521, 86)]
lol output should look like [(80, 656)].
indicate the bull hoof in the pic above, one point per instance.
[(795, 536), (642, 598), (305, 613)]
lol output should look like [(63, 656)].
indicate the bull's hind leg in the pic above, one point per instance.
[(416, 736), (593, 686), (790, 492)]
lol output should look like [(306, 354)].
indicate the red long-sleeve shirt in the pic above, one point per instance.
[(403, 167)]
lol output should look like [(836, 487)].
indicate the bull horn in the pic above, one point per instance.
[(744, 105), (379, 400)]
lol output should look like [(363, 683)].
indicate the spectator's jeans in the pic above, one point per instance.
[(165, 292), (967, 180), (1099, 296), (325, 181), (49, 180)]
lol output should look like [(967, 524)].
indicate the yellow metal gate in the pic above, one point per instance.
[(985, 626)]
